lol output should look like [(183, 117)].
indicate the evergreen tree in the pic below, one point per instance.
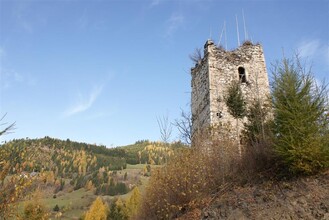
[(236, 106), (117, 212), (257, 128), (56, 208), (301, 126)]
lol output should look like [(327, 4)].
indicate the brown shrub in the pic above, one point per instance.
[(188, 177)]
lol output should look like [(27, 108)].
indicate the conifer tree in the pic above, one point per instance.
[(235, 103), (118, 211), (133, 202), (301, 126), (257, 127), (97, 211)]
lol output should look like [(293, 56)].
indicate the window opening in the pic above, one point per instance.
[(242, 75)]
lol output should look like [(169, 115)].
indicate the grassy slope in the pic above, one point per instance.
[(74, 204)]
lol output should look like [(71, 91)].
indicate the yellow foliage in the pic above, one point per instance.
[(187, 177), (97, 211), (89, 185), (34, 209), (133, 202)]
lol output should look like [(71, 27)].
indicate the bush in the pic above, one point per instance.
[(300, 121), (56, 208), (35, 211), (258, 153), (186, 179)]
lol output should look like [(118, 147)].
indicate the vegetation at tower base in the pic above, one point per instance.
[(236, 106), (258, 125), (187, 178), (300, 118), (281, 140), (235, 101)]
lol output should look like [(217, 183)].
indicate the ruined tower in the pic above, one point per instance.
[(215, 72)]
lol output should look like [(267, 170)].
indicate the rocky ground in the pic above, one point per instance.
[(300, 198)]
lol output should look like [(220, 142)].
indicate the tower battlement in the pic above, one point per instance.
[(213, 75)]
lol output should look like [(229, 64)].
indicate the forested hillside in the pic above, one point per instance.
[(62, 167)]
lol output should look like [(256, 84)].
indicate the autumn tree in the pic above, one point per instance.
[(12, 188), (97, 211), (133, 202), (35, 211), (118, 211)]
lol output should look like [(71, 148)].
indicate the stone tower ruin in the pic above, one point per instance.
[(215, 72)]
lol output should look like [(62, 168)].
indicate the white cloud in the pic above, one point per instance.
[(20, 13), (84, 103), (83, 21), (173, 23), (10, 78), (314, 50), (307, 49), (154, 3)]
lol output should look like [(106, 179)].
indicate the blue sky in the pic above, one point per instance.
[(101, 71)]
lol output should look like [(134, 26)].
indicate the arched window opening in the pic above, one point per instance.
[(242, 75)]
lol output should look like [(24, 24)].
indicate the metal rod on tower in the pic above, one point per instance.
[(225, 35), (244, 27), (237, 29), (221, 35)]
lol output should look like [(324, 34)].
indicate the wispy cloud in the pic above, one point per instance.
[(315, 50), (83, 20), (20, 12), (307, 49), (84, 103), (10, 78), (2, 54), (173, 23), (155, 3)]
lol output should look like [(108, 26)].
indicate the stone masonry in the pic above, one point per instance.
[(214, 73)]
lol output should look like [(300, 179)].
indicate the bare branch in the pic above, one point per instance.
[(196, 56), (8, 128), (184, 126), (165, 128)]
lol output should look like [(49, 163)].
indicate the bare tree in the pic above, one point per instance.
[(165, 128), (196, 56), (7, 129), (184, 126)]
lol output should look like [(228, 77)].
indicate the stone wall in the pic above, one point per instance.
[(212, 76)]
